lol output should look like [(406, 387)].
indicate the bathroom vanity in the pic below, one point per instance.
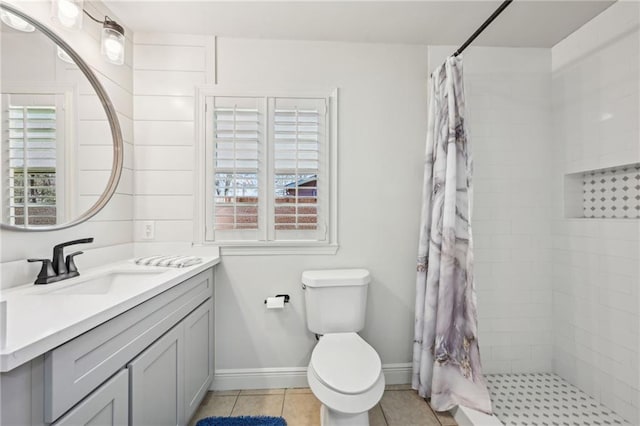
[(124, 344)]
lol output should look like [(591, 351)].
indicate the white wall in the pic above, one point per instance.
[(596, 262), (508, 103), (167, 68), (382, 114), (112, 228)]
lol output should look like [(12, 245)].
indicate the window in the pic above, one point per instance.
[(269, 170), (33, 150)]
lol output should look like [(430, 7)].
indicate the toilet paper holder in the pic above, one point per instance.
[(286, 298)]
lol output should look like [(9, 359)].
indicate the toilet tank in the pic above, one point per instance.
[(335, 299)]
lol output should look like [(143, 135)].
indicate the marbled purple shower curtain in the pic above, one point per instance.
[(446, 359)]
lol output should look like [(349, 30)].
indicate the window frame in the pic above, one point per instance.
[(204, 174), (65, 99)]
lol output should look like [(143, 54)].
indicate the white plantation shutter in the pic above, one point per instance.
[(267, 169), (238, 137), (299, 139), (31, 156)]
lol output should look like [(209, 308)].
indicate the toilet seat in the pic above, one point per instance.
[(345, 403), (345, 363), (345, 373)]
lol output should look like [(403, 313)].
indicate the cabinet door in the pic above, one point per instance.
[(157, 395), (107, 405), (198, 356)]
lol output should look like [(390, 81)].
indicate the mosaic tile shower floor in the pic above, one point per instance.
[(545, 399)]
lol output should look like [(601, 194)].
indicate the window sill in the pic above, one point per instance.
[(273, 249)]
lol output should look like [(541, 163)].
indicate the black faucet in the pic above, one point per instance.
[(58, 268)]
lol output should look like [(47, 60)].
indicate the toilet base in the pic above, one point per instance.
[(334, 418)]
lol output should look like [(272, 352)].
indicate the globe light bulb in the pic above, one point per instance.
[(67, 13), (16, 22), (113, 49), (113, 42)]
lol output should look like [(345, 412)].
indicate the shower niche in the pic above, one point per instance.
[(610, 193)]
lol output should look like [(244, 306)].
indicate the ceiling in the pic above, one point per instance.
[(525, 23)]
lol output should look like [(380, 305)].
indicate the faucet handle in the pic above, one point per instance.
[(46, 272), (71, 265), (58, 255)]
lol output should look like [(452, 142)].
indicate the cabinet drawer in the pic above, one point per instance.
[(108, 405), (72, 370)]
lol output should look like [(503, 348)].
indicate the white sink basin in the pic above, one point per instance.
[(99, 284)]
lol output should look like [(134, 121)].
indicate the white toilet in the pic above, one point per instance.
[(345, 372)]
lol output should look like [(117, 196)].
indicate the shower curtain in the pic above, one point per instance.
[(446, 359)]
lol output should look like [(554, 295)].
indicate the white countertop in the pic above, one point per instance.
[(42, 317)]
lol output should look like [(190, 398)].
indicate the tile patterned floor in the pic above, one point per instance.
[(400, 406), (545, 399)]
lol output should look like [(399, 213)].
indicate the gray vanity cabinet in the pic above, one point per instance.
[(106, 406), (157, 382), (151, 365)]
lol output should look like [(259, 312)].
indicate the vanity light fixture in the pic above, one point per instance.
[(67, 13), (16, 22), (112, 44)]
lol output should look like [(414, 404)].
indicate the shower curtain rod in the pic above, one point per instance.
[(482, 27)]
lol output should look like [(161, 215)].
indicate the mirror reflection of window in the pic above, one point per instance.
[(46, 187), (32, 169)]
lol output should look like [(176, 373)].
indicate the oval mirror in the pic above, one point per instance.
[(61, 150)]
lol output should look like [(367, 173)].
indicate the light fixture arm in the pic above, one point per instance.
[(94, 19), (110, 23)]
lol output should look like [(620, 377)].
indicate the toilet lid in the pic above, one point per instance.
[(346, 363)]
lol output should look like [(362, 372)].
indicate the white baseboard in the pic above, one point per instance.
[(290, 377), (397, 374), (260, 378)]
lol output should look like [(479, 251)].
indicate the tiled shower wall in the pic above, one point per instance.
[(596, 261), (508, 105)]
